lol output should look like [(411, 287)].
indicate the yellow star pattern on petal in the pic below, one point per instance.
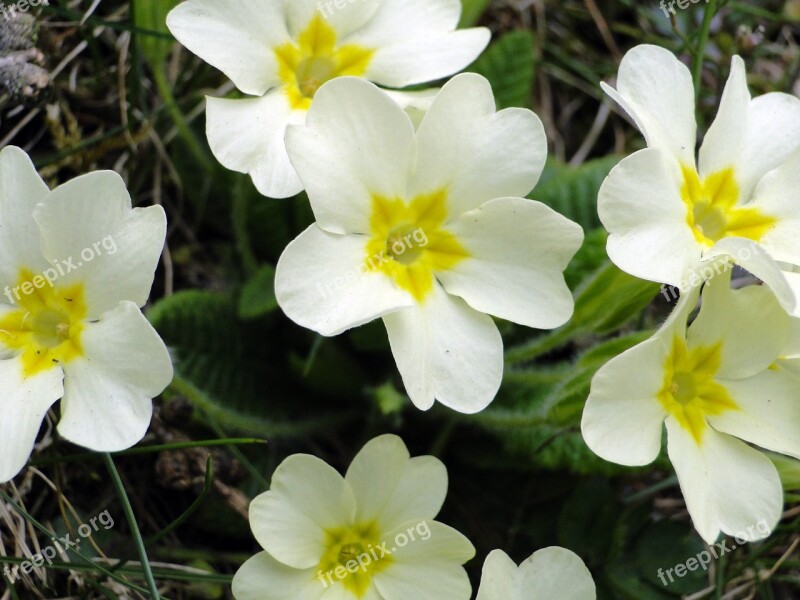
[(46, 325), (713, 211), (409, 243), (690, 393), (352, 556), (315, 59)]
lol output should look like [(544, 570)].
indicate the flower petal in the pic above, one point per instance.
[(321, 283), (773, 134), (791, 279), (24, 402), (21, 189), (114, 249), (753, 136), (641, 207), (264, 578), (344, 17), (751, 256), (235, 36), (427, 58), (108, 391), (474, 152), (447, 351), (307, 497), (416, 41), (500, 579), (416, 103), (728, 486), (776, 196), (426, 568), (724, 140), (357, 143), (556, 573), (769, 412), (623, 419), (726, 317), (339, 592), (247, 136), (656, 90), (518, 250), (392, 488), (792, 349)]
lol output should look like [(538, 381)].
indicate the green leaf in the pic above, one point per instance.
[(204, 590), (539, 422), (662, 546), (273, 225), (508, 64), (572, 191), (624, 580), (642, 571), (788, 469), (472, 12), (587, 519), (610, 299), (151, 15), (567, 400), (235, 370), (590, 257), (258, 296), (329, 371), (559, 449)]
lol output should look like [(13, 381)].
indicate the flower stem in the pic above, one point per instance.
[(541, 345), (137, 536), (89, 563), (700, 49), (164, 88)]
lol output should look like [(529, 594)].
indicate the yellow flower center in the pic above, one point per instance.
[(408, 241), (352, 556), (315, 59), (713, 211), (47, 325), (690, 393)]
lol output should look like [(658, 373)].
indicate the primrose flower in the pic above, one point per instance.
[(789, 359), (369, 534), (547, 574), (668, 213), (279, 53), (716, 384), (76, 263), (428, 230)]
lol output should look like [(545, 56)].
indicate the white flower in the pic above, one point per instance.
[(369, 535), (428, 230), (547, 574), (667, 213), (76, 263), (279, 52), (789, 358), (715, 384)]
